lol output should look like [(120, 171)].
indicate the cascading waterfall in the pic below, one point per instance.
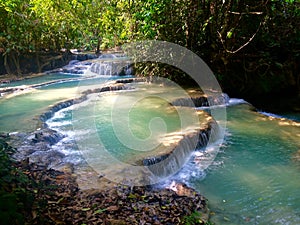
[(191, 140), (170, 163), (102, 68), (202, 101), (104, 65), (111, 65)]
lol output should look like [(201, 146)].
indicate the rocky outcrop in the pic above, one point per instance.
[(47, 135), (9, 90), (50, 112), (175, 150), (191, 102)]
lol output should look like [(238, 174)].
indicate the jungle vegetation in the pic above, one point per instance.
[(253, 47)]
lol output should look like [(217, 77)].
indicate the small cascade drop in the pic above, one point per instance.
[(203, 138), (220, 99), (107, 56), (103, 68), (76, 67), (179, 153), (104, 65), (168, 164), (111, 65)]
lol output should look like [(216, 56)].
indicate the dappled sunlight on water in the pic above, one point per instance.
[(289, 123), (60, 94)]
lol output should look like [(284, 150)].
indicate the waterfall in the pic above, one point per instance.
[(76, 67), (218, 99), (111, 65), (179, 152), (104, 65), (102, 68), (165, 165)]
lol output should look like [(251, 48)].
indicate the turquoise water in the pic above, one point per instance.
[(19, 111), (255, 178), (40, 79), (116, 130)]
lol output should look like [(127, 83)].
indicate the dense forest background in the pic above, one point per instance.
[(253, 47)]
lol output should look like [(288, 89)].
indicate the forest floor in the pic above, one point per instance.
[(52, 197)]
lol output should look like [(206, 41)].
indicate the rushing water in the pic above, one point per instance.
[(255, 178)]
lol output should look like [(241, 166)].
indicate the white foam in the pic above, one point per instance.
[(236, 101), (271, 115), (187, 172), (60, 114), (59, 124), (197, 165)]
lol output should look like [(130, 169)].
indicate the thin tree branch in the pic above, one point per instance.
[(239, 13), (244, 45)]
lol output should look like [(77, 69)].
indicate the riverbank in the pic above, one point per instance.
[(38, 195)]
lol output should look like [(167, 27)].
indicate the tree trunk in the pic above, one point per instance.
[(98, 46), (38, 62), (16, 61), (6, 65)]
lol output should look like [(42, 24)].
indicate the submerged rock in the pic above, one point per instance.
[(296, 156), (46, 135)]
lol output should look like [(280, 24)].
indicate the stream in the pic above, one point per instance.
[(255, 178)]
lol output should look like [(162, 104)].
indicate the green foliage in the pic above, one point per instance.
[(245, 41), (32, 25), (9, 198), (18, 194), (194, 219)]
